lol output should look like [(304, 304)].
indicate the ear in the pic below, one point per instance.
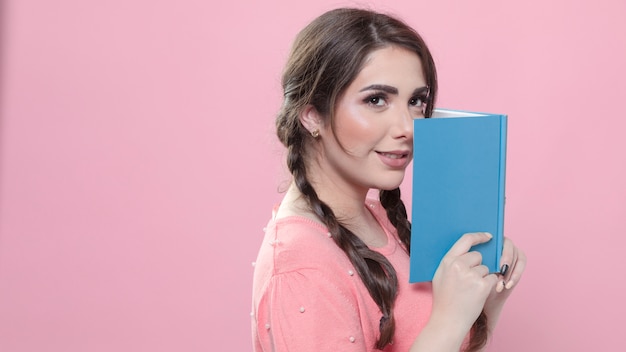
[(311, 119)]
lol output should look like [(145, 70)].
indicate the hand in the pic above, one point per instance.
[(462, 284)]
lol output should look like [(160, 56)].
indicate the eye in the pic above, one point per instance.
[(417, 101), (419, 104), (376, 100)]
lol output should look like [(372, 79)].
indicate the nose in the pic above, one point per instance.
[(403, 124)]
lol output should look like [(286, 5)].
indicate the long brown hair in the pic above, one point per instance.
[(325, 58)]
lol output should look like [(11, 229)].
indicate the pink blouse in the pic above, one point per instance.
[(307, 295)]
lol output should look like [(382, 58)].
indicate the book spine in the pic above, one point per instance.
[(501, 191)]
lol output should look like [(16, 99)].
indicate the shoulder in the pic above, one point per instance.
[(295, 243), (299, 252)]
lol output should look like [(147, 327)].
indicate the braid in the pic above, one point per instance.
[(396, 212), (479, 334), (377, 274)]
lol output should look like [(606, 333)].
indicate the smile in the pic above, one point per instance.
[(397, 155), (394, 160)]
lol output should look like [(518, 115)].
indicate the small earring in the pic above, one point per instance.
[(315, 133)]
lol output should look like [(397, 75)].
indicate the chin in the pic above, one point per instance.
[(390, 184), (387, 188)]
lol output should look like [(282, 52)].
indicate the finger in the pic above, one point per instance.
[(507, 259), (500, 286), (517, 265), (518, 270), (470, 259), (467, 241), (508, 274), (481, 270), (511, 268), (492, 280)]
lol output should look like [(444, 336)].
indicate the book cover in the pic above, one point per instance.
[(459, 168)]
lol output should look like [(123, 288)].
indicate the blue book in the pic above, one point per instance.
[(458, 187)]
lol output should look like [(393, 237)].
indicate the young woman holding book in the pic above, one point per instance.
[(332, 271)]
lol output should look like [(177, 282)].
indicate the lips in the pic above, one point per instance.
[(395, 159), (394, 155)]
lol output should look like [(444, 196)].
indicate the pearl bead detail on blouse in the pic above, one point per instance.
[(273, 242)]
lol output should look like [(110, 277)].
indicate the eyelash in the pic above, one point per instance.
[(377, 96), (423, 99)]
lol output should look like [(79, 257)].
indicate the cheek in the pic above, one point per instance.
[(356, 129)]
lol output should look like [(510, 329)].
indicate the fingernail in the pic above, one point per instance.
[(489, 235), (500, 286), (509, 284), (504, 269)]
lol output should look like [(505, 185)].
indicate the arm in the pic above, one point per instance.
[(439, 336)]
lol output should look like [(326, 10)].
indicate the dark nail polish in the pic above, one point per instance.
[(504, 269)]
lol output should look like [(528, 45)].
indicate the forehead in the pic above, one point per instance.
[(389, 64)]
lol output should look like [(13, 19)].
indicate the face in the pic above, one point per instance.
[(374, 121)]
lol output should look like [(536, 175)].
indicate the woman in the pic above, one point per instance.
[(332, 272)]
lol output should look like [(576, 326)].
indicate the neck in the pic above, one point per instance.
[(351, 212), (343, 208), (346, 200)]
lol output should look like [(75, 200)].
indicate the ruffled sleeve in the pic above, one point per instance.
[(306, 311)]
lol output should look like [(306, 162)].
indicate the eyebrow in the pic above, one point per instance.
[(392, 90), (382, 87)]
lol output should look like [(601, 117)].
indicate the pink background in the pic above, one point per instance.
[(138, 163)]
